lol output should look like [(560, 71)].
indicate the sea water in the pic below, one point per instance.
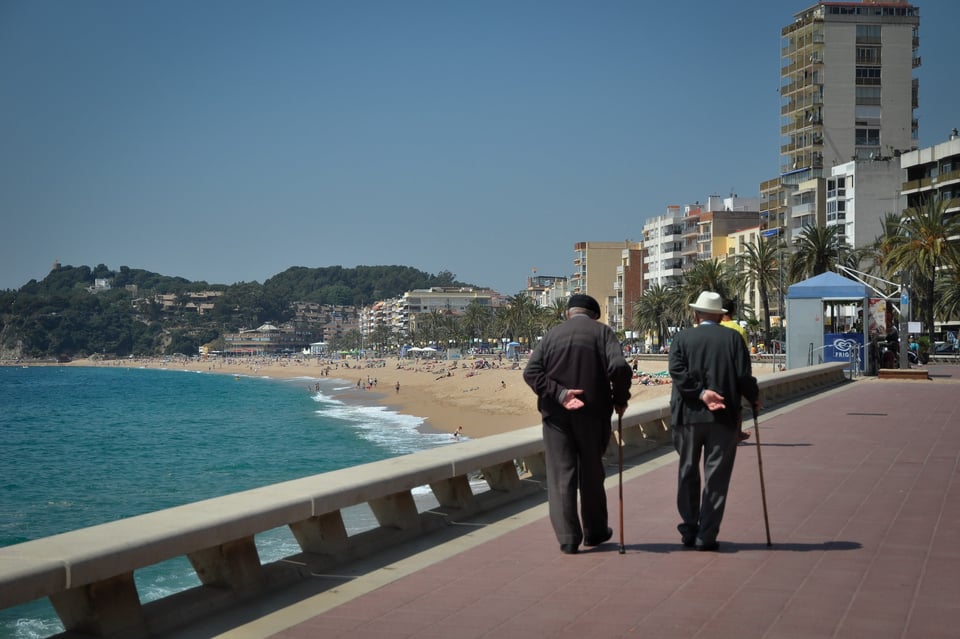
[(83, 446)]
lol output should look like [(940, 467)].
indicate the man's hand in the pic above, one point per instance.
[(571, 401), (713, 400)]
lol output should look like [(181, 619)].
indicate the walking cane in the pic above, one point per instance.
[(763, 490), (620, 458)]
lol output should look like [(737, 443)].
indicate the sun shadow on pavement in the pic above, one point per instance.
[(727, 547)]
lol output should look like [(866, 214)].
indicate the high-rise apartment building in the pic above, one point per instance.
[(847, 93)]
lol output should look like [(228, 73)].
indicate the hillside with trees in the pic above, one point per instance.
[(66, 315)]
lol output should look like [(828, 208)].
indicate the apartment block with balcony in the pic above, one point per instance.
[(452, 300), (933, 172), (595, 273), (734, 246), (720, 218), (860, 193), (848, 92), (545, 290), (666, 248), (627, 288)]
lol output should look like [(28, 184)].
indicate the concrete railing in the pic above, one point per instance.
[(88, 573)]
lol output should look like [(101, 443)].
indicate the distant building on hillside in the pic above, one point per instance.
[(195, 302)]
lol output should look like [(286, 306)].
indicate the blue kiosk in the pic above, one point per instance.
[(826, 321)]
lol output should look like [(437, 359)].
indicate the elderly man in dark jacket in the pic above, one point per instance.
[(710, 368), (580, 377)]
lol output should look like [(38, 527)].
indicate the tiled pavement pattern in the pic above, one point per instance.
[(863, 495)]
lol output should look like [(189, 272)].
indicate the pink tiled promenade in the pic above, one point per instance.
[(863, 494)]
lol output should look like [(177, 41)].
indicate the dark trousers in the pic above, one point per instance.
[(701, 513), (574, 455)]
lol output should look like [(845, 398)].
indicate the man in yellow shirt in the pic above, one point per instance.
[(729, 322)]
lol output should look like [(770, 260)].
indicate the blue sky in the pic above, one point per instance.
[(227, 141)]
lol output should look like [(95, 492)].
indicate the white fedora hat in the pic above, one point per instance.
[(709, 302)]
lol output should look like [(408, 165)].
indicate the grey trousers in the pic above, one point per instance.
[(574, 459), (702, 512)]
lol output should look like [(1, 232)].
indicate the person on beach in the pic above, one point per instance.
[(730, 307), (580, 377), (710, 368)]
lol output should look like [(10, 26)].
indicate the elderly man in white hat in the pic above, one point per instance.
[(711, 371)]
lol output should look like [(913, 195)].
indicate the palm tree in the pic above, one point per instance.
[(818, 249), (554, 314), (708, 275), (522, 318), (652, 311), (761, 263), (926, 243), (878, 250), (477, 320), (948, 293)]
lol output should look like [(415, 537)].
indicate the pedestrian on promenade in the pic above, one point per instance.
[(730, 309), (710, 368), (580, 377)]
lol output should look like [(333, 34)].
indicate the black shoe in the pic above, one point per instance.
[(689, 542), (568, 549), (596, 541), (713, 546)]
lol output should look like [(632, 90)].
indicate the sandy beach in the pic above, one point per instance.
[(483, 399)]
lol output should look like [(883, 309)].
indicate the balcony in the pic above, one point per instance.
[(945, 178)]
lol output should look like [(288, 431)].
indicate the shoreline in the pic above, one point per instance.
[(481, 395), (446, 395)]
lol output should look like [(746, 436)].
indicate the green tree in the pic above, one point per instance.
[(708, 275), (818, 249), (947, 293), (477, 321), (554, 314), (521, 317), (381, 338), (925, 244), (761, 265), (652, 312)]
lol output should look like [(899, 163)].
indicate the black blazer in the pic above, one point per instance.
[(714, 357), (580, 353)]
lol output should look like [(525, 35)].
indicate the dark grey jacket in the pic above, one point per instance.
[(712, 357), (580, 353)]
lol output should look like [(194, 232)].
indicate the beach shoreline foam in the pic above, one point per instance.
[(447, 394)]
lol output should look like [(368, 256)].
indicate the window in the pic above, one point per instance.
[(868, 55), (868, 137), (868, 34), (868, 95), (868, 76)]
